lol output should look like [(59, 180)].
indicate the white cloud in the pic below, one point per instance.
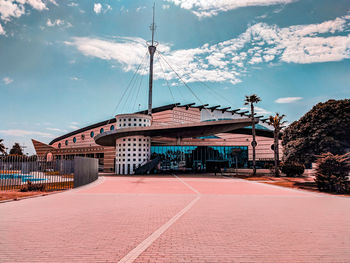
[(75, 78), (16, 8), (97, 8), (55, 129), (7, 80), (74, 127), (140, 8), (207, 8), (165, 7), (258, 110), (288, 99), (24, 133), (74, 123), (57, 22), (72, 4), (2, 30), (229, 60)]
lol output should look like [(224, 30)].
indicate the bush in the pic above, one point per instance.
[(32, 187), (292, 168), (332, 172)]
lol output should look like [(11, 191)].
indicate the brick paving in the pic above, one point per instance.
[(194, 219)]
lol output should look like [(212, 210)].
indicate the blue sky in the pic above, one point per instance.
[(66, 64)]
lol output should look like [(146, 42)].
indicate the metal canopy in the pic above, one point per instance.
[(187, 130)]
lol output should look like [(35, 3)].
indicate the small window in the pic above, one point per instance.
[(83, 137), (59, 145), (102, 130), (66, 142), (112, 128), (74, 140), (92, 134), (134, 119), (129, 119)]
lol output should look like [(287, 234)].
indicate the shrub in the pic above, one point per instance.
[(32, 187), (292, 168), (332, 172)]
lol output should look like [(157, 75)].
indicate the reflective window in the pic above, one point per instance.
[(112, 128), (92, 134), (201, 158), (59, 145), (74, 140), (66, 142), (102, 130)]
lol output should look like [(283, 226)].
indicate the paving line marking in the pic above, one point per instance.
[(137, 251), (189, 186)]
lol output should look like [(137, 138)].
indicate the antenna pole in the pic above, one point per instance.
[(151, 50)]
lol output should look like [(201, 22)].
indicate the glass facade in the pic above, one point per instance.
[(200, 158)]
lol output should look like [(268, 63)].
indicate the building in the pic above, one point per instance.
[(183, 137), (172, 137)]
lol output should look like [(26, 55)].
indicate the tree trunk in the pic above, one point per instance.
[(253, 133), (276, 154)]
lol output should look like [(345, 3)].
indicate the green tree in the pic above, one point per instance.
[(332, 172), (16, 149), (2, 147), (277, 123), (250, 100), (325, 128)]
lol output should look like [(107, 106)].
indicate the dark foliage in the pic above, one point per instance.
[(32, 187), (325, 128), (16, 149), (332, 172), (292, 169), (2, 147)]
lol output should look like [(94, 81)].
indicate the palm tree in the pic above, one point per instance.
[(277, 123), (2, 147), (250, 100)]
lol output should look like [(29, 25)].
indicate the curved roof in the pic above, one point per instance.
[(186, 130)]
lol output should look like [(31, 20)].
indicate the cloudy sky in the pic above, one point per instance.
[(68, 64)]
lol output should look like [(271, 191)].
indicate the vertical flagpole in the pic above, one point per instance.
[(151, 50)]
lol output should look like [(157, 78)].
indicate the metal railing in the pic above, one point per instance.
[(51, 174)]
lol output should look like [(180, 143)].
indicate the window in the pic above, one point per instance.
[(92, 134), (59, 145), (66, 142), (74, 140), (102, 130), (83, 137), (112, 128)]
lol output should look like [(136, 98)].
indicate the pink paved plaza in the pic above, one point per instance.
[(171, 219)]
